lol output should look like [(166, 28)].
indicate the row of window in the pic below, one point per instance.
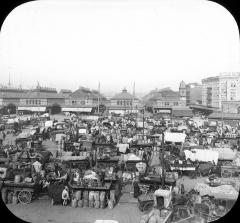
[(124, 103), (75, 102), (33, 102), (167, 103)]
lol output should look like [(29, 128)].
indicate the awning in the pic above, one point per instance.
[(34, 109), (76, 109), (117, 111), (182, 113), (174, 137)]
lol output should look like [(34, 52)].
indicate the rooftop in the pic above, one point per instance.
[(123, 95)]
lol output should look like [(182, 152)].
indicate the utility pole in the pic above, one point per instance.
[(143, 120), (162, 161), (133, 96), (98, 96)]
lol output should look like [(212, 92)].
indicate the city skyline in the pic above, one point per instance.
[(155, 44)]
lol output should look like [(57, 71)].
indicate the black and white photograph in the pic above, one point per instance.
[(119, 111)]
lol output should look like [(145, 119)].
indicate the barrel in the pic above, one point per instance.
[(96, 196), (9, 197), (97, 204), (74, 203), (102, 204), (14, 199), (102, 196), (85, 195), (78, 195), (80, 203), (91, 204), (91, 196), (110, 204), (17, 179), (85, 203)]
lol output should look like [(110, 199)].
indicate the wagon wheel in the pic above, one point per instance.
[(148, 206), (24, 197), (226, 174)]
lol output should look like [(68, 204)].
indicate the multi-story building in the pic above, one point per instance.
[(167, 98), (123, 102), (10, 99), (167, 102), (84, 100), (43, 99), (225, 87)]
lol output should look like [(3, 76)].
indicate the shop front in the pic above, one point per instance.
[(163, 112)]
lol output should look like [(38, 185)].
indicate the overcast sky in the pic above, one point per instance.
[(65, 44)]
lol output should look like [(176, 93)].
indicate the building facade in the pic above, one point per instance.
[(231, 107), (123, 102), (43, 99), (167, 98), (167, 102), (225, 87)]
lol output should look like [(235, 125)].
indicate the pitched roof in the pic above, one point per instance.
[(123, 95), (83, 93)]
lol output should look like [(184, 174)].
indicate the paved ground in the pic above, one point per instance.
[(41, 211)]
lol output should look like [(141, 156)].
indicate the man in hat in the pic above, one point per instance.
[(65, 196)]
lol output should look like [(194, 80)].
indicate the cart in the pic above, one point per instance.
[(230, 171), (25, 192), (145, 202), (104, 163)]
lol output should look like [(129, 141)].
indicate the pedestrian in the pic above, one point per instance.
[(65, 196)]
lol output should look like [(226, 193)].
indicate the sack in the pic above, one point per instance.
[(80, 203), (110, 204)]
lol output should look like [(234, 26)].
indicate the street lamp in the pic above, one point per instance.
[(143, 120)]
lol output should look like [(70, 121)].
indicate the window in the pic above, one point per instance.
[(175, 103), (83, 103), (166, 103), (27, 102), (118, 103)]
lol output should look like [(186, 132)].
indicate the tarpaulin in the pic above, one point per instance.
[(48, 123), (123, 147), (202, 155), (220, 192), (174, 137), (225, 153)]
